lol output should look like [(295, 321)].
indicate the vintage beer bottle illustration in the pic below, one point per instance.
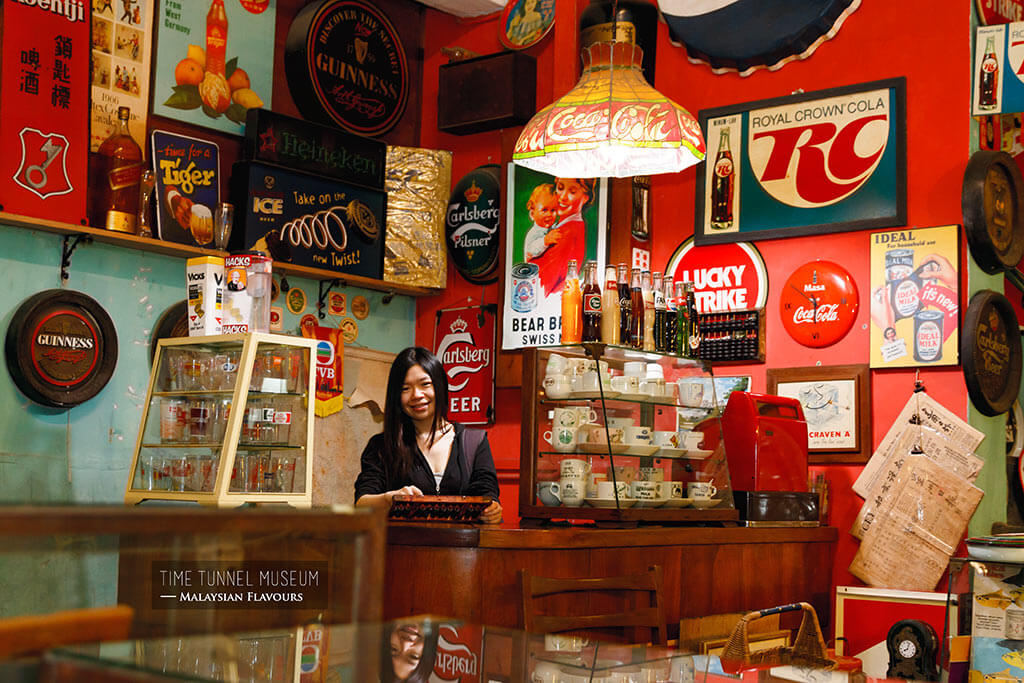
[(988, 77), (216, 38), (722, 181), (115, 181)]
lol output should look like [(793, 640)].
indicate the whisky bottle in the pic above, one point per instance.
[(115, 181)]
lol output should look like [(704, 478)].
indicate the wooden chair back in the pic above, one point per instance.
[(644, 608), (30, 635)]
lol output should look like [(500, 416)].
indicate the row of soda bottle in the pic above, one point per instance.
[(645, 311)]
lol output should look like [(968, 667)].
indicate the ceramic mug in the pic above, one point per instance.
[(606, 489), (593, 479), (585, 415), (691, 440), (556, 365), (572, 489), (636, 368), (557, 386), (637, 436), (565, 417), (626, 384), (589, 381), (701, 489), (665, 439), (644, 490), (549, 492), (653, 386), (573, 467), (562, 439), (670, 489)]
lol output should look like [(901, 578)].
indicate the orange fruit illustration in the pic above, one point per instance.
[(188, 72), (238, 80), (214, 91)]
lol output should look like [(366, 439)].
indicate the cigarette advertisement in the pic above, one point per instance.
[(915, 297), (550, 222)]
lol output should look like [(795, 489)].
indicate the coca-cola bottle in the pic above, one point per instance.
[(668, 344), (636, 305), (591, 303), (722, 181), (625, 306), (694, 337), (988, 77)]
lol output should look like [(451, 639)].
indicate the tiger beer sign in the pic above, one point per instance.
[(464, 342), (821, 162)]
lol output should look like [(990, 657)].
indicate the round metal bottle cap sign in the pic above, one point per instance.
[(345, 66), (471, 224), (61, 348), (992, 202)]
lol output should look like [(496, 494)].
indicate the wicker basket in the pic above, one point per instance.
[(807, 650)]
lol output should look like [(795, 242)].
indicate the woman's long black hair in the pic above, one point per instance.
[(421, 674), (399, 432)]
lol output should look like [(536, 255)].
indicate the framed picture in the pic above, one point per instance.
[(819, 162), (836, 404)]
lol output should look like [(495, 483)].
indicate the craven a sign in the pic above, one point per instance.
[(464, 342), (808, 164)]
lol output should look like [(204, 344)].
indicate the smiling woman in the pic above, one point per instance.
[(420, 452), (409, 652)]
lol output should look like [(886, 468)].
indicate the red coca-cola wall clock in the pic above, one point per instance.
[(818, 303), (61, 348)]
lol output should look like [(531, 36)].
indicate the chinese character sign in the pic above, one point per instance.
[(44, 102)]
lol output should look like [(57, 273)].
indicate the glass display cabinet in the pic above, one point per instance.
[(227, 420), (617, 435)]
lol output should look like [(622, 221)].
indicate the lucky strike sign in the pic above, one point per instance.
[(813, 163), (44, 109), (464, 342), (725, 277)]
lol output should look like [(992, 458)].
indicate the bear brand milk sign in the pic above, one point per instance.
[(464, 342)]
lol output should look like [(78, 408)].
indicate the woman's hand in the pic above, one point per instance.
[(404, 491), (492, 513), (941, 270)]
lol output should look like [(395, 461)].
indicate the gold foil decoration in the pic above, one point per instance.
[(418, 182)]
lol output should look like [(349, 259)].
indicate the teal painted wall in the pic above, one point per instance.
[(82, 454)]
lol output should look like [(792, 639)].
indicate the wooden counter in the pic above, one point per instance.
[(471, 572)]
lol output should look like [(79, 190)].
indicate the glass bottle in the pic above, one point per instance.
[(145, 219), (648, 293), (610, 313), (682, 338), (659, 312), (115, 181), (591, 303), (722, 184), (625, 307), (572, 306), (668, 339), (694, 336), (636, 306)]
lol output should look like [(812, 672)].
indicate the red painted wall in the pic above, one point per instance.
[(927, 42)]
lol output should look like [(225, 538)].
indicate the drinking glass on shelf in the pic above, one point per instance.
[(283, 466), (223, 217)]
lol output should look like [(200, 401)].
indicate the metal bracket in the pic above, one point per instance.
[(322, 298), (66, 252), (388, 297)]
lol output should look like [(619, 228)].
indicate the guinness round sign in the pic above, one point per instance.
[(346, 66), (471, 224), (61, 348)]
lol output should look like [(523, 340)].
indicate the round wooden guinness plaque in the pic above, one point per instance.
[(990, 350), (993, 210), (61, 348), (173, 322)]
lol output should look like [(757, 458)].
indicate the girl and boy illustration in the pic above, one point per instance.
[(558, 232)]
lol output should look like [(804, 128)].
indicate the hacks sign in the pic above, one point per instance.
[(828, 161), (464, 342)]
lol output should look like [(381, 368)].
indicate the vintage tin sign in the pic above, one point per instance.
[(471, 224), (806, 164), (308, 220), (313, 148), (44, 109), (459, 652), (122, 40), (187, 187), (991, 350), (346, 65), (61, 348), (725, 277), (1000, 11), (464, 341)]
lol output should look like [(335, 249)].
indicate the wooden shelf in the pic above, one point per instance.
[(150, 244)]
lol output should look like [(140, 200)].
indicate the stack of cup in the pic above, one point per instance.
[(556, 378)]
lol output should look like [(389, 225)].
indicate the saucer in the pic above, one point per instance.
[(610, 502), (705, 503), (677, 503), (662, 400), (626, 396), (697, 454), (657, 503), (598, 448), (608, 393), (670, 452), (640, 450)]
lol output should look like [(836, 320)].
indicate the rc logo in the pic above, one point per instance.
[(43, 169), (813, 154)]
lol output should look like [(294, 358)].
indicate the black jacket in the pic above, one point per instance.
[(376, 476)]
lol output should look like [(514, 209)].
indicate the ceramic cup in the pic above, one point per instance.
[(621, 422), (634, 368), (565, 417), (557, 386), (562, 439), (665, 439), (626, 384), (549, 492), (637, 436), (701, 489), (574, 467), (572, 489), (606, 489), (644, 490), (653, 386), (586, 415), (690, 440), (691, 393), (593, 479), (589, 381), (545, 672), (556, 365), (670, 489)]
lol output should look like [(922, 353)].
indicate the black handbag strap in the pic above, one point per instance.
[(471, 440)]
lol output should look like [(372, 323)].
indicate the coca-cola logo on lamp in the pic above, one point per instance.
[(818, 303)]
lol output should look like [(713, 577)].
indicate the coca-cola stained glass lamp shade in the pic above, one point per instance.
[(612, 124), (746, 35)]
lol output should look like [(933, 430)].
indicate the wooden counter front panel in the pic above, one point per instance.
[(481, 584)]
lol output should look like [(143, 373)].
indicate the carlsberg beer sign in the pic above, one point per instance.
[(471, 225), (464, 342)]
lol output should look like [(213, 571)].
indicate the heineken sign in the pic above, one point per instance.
[(471, 224)]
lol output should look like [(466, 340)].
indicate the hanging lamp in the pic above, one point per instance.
[(611, 124)]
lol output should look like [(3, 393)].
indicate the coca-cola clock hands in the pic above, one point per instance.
[(818, 303)]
